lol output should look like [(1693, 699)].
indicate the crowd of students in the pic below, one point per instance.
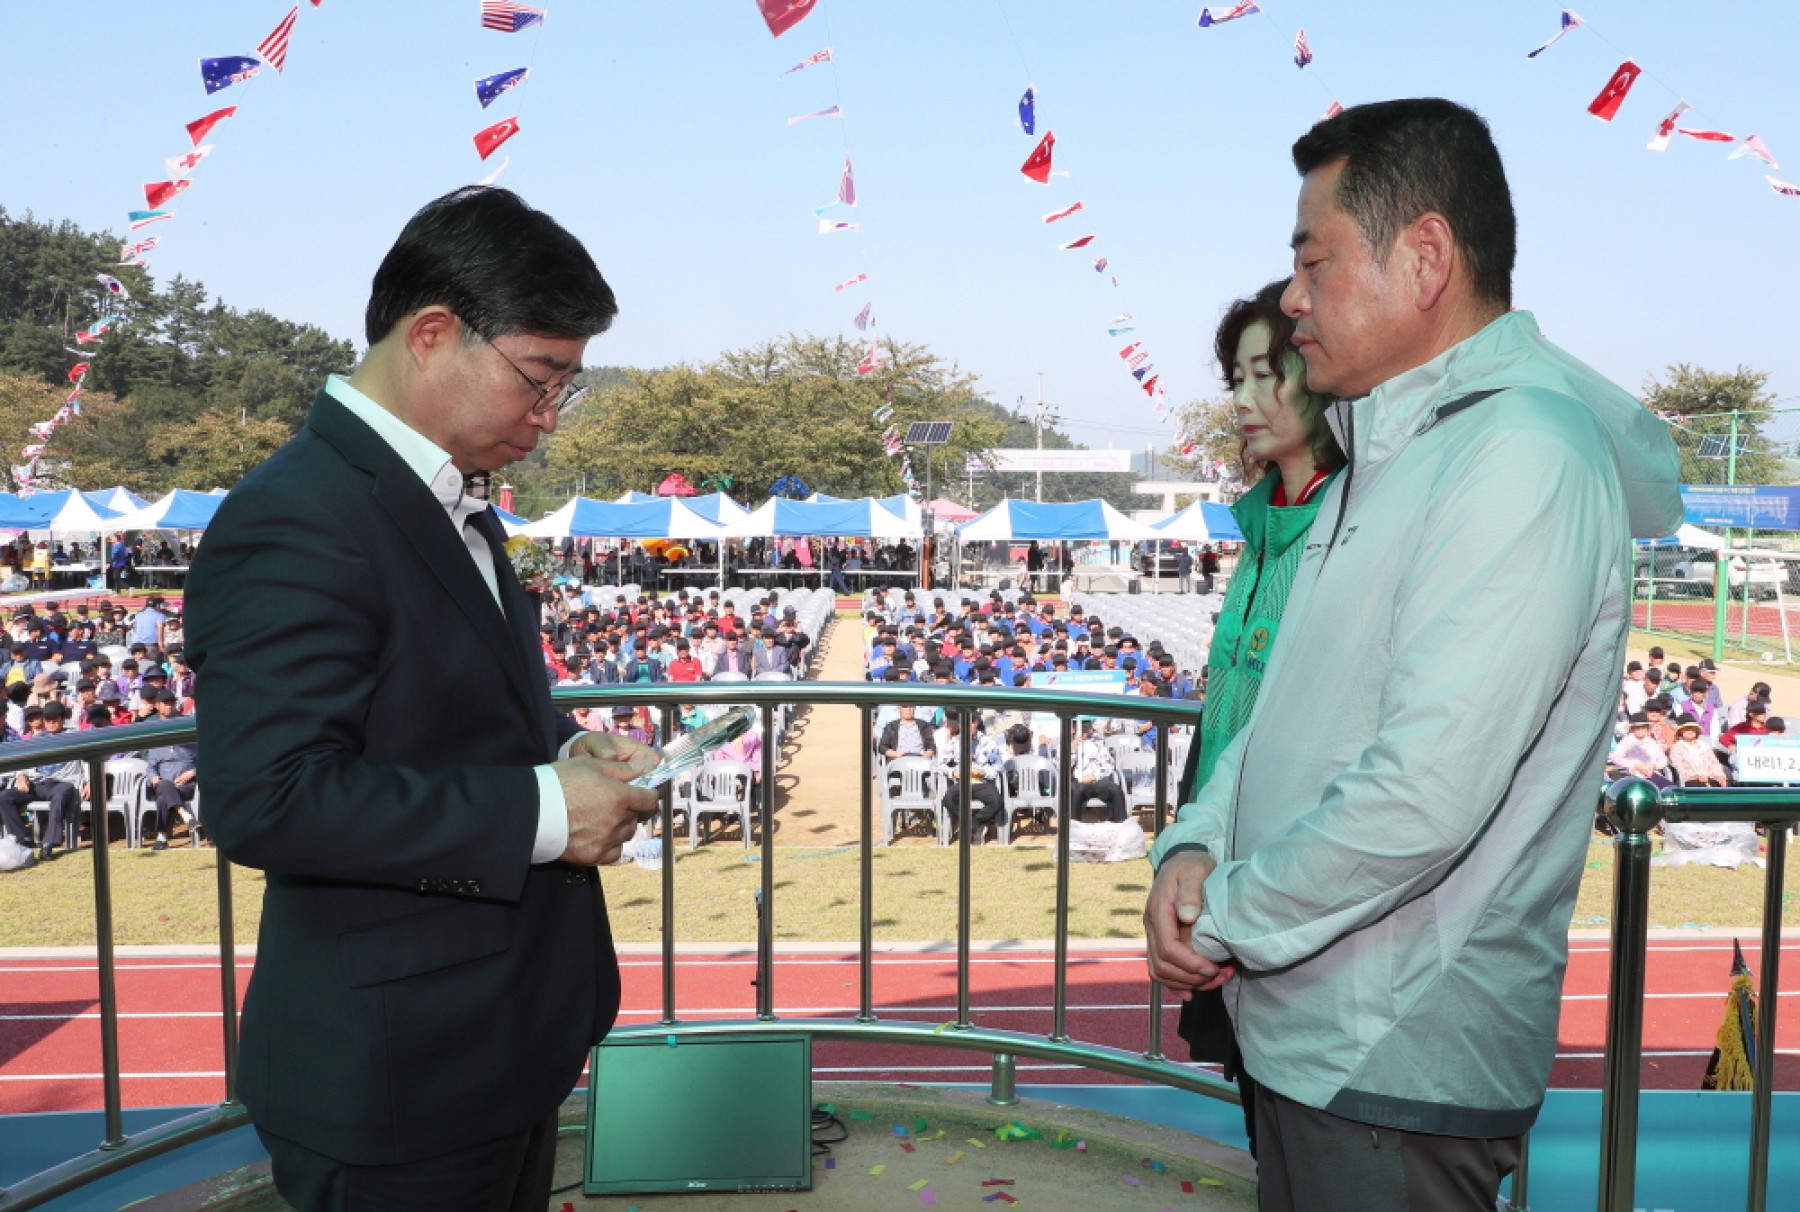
[(1675, 728), (59, 676), (1001, 643)]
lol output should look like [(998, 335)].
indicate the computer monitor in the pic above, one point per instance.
[(709, 1113)]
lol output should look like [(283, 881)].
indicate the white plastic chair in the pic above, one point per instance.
[(1036, 791), (722, 787), (1137, 775), (127, 786), (914, 784)]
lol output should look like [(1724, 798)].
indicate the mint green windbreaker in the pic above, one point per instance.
[(1399, 847)]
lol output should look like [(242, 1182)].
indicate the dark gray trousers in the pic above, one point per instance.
[(1311, 1161), (512, 1174)]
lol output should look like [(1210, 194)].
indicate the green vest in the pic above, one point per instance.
[(1250, 618)]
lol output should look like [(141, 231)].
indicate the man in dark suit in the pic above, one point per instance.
[(435, 959)]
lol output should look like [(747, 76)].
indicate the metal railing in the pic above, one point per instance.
[(116, 1151), (1635, 807)]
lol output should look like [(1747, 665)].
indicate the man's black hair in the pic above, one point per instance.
[(498, 265), (1405, 158)]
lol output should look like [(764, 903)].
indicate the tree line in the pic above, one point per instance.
[(189, 392)]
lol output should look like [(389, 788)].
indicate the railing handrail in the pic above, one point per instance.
[(118, 1151), (924, 694), (1636, 806)]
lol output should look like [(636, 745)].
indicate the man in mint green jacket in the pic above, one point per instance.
[(1389, 899)]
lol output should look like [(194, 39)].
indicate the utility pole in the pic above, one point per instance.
[(1722, 564), (1045, 413)]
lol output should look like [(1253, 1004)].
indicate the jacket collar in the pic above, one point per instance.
[(1405, 406)]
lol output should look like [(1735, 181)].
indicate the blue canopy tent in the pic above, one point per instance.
[(1072, 521), (657, 518), (1201, 522), (865, 518), (179, 510)]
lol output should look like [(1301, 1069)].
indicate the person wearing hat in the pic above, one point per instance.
[(107, 696), (1637, 755), (1694, 760), (629, 722), (60, 783), (173, 778)]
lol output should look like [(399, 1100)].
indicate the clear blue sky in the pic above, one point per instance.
[(657, 132)]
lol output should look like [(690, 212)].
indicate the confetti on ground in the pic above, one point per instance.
[(919, 1124), (1187, 1188), (907, 1086), (954, 1158), (823, 1109), (976, 1143), (941, 1028), (875, 1171), (919, 1186), (928, 1197), (861, 1115), (998, 1182), (1153, 1164), (1081, 1146), (1017, 1131), (899, 1129), (1064, 1140), (831, 1163), (907, 1146), (938, 1135), (1211, 1182), (1131, 1180)]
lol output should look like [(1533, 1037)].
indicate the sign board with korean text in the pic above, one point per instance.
[(1768, 759)]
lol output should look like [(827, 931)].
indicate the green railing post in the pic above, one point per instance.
[(1762, 1096), (1635, 812)]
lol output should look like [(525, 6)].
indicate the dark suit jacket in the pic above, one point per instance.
[(368, 726)]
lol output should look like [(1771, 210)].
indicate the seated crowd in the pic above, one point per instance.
[(1002, 643), (691, 637), (60, 676), (1675, 728)]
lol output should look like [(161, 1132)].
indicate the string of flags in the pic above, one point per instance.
[(217, 73), (1612, 95), (502, 17), (1040, 167), (781, 16)]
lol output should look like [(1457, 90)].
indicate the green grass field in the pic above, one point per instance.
[(171, 897)]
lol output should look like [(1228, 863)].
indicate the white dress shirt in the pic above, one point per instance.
[(435, 469)]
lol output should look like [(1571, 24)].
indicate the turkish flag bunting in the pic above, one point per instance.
[(487, 140), (784, 15), (199, 127), (1037, 164), (1606, 105), (76, 371), (158, 192)]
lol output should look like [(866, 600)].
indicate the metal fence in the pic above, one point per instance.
[(116, 1151), (1636, 807)]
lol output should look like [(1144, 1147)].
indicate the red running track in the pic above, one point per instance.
[(170, 1049), (1765, 620)]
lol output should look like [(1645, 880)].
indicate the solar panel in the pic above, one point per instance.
[(1718, 446), (928, 433)]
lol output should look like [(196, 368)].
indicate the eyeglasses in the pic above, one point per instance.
[(551, 401)]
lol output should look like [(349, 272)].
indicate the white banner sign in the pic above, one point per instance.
[(1768, 759), (1030, 459)]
